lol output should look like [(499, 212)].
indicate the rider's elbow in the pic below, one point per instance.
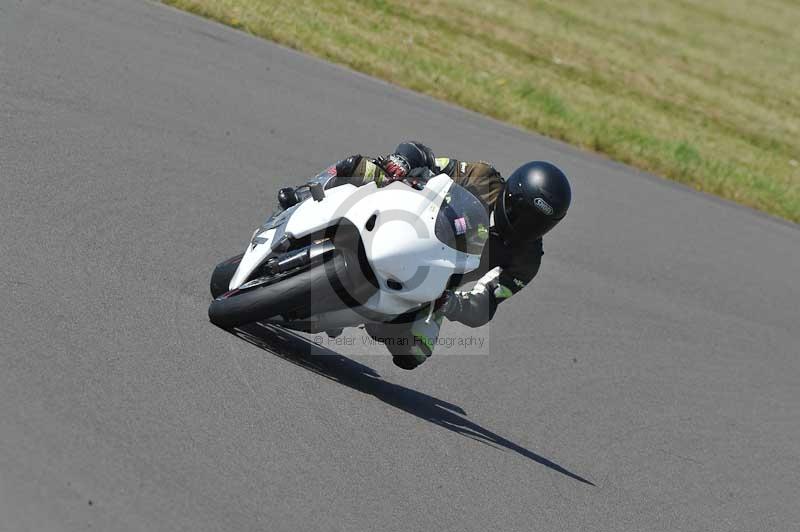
[(476, 309)]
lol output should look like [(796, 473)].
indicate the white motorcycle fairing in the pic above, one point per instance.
[(397, 225)]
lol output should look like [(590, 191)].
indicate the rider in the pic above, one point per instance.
[(533, 199)]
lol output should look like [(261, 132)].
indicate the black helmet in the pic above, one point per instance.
[(536, 197), (417, 154)]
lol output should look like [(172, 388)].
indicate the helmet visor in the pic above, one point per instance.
[(526, 221)]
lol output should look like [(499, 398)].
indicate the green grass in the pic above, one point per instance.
[(705, 93)]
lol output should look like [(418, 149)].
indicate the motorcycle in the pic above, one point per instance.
[(351, 256)]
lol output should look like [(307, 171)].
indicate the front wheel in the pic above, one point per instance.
[(223, 273), (311, 291)]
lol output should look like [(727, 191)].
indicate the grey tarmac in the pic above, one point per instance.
[(647, 380)]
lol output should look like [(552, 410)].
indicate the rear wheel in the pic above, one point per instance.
[(319, 288)]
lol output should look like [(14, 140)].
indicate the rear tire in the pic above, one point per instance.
[(310, 291)]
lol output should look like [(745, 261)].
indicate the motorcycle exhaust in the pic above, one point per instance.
[(299, 258)]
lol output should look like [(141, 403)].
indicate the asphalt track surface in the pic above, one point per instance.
[(647, 380)]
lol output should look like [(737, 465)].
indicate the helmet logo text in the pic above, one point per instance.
[(543, 206)]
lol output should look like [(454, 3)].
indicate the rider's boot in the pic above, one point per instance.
[(410, 344)]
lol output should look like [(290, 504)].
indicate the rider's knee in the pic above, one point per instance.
[(409, 353)]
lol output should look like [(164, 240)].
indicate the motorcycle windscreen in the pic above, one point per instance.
[(462, 223)]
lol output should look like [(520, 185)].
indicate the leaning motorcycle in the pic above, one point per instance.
[(352, 256)]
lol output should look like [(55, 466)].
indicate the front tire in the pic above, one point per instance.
[(223, 273), (311, 291)]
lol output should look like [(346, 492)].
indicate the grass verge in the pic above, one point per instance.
[(707, 94)]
